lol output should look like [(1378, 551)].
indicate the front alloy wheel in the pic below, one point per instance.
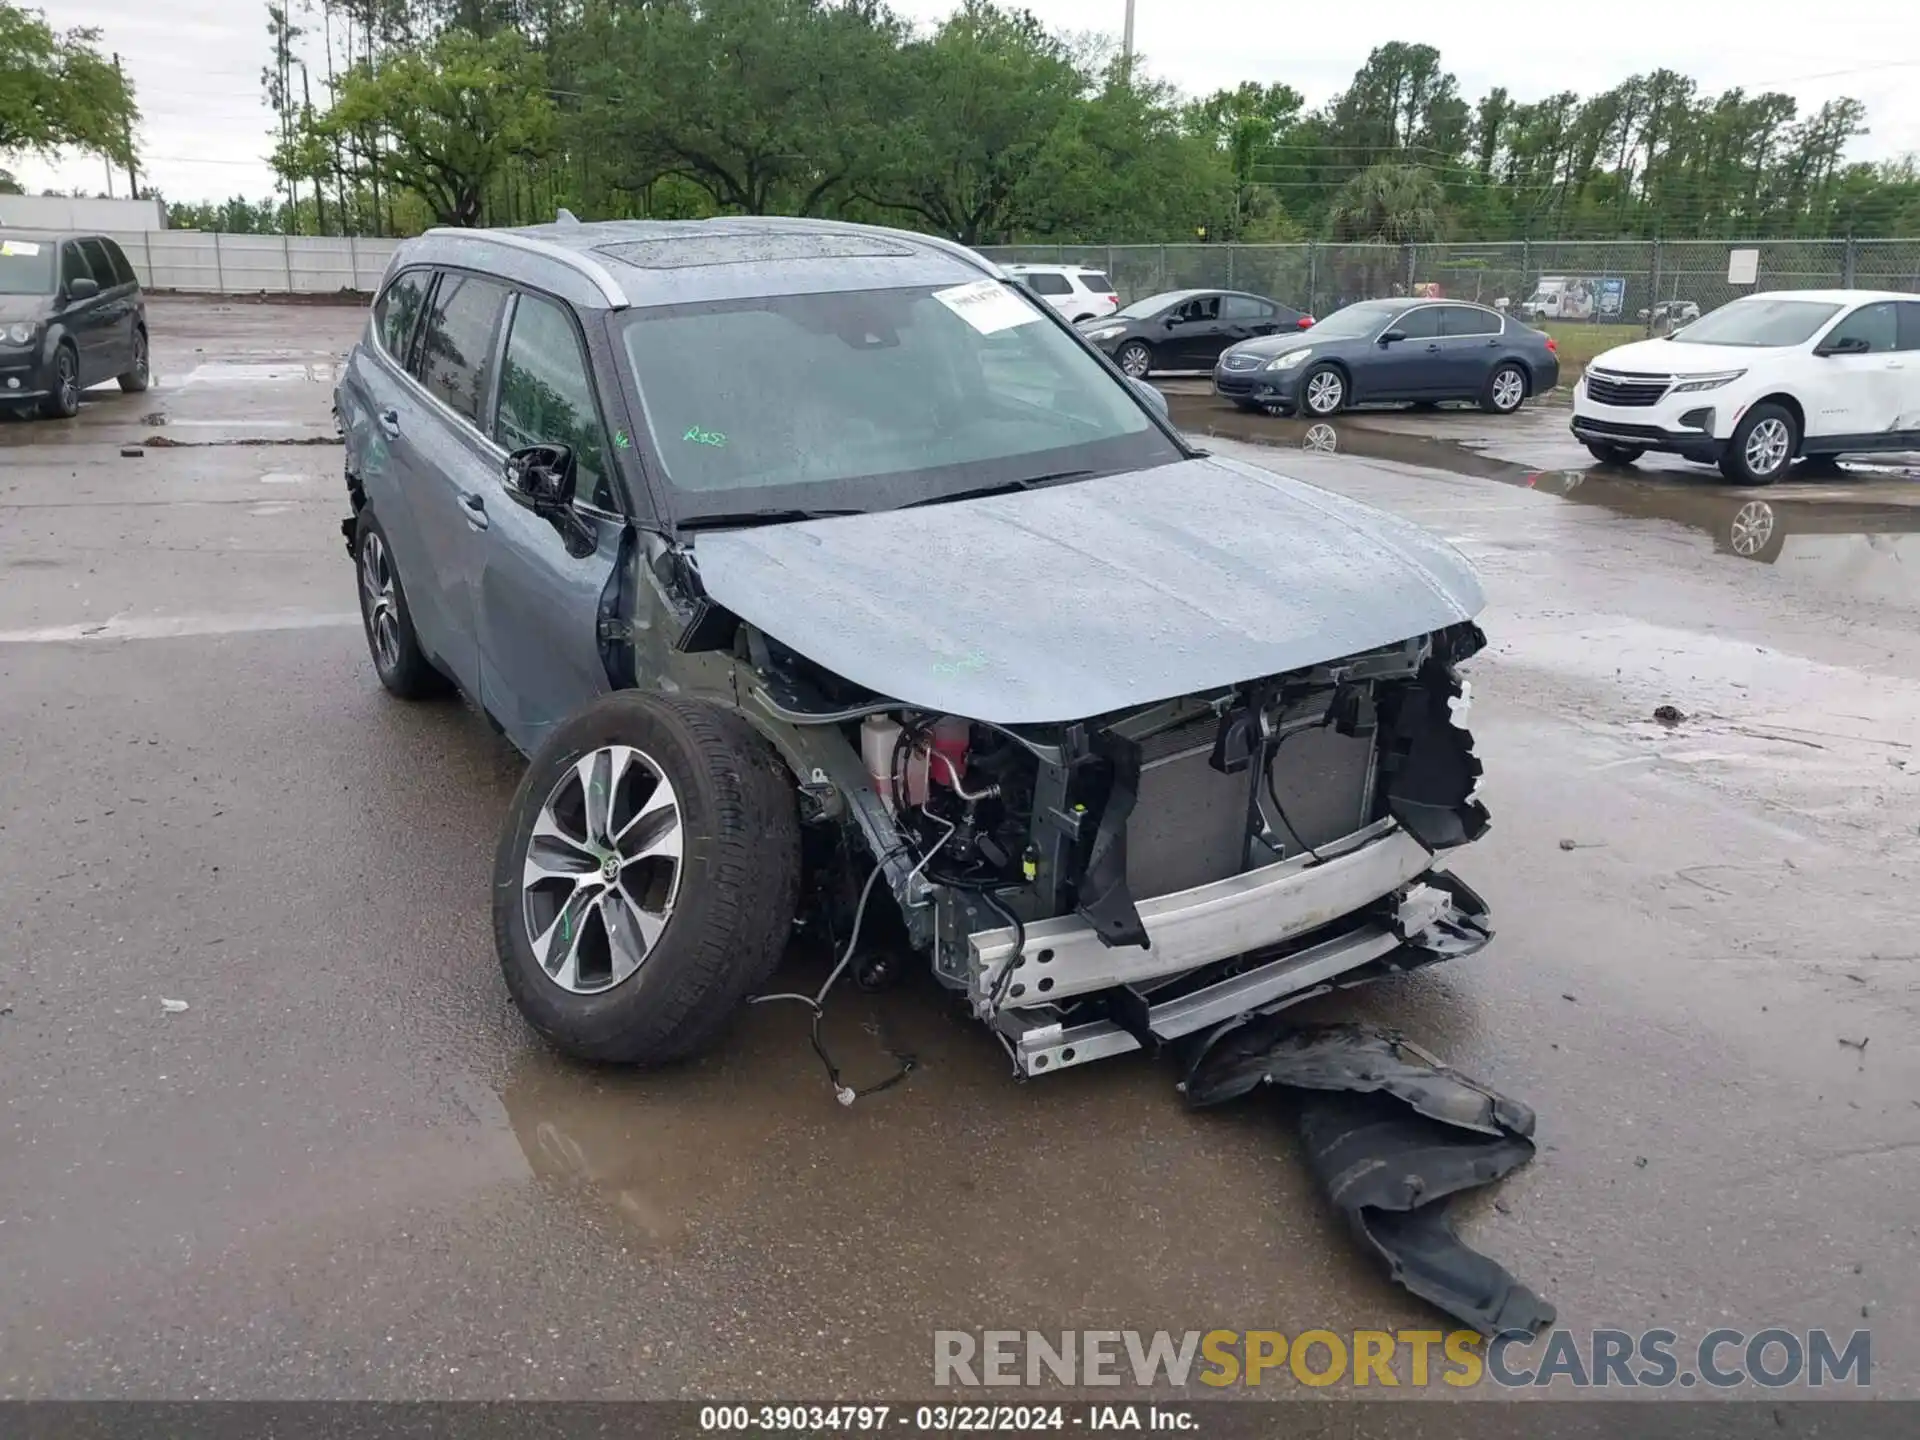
[(63, 398), (1136, 360), (1761, 446), (1326, 391), (602, 869), (646, 878)]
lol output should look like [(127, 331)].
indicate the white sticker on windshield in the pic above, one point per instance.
[(988, 306), (18, 247)]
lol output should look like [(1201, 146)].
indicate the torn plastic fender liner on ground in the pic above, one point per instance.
[(1391, 1134)]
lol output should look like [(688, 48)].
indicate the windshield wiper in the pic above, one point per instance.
[(1005, 487), (772, 516)]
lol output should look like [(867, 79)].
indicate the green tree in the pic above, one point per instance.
[(449, 117), (985, 96), (56, 90), (1388, 203), (767, 105)]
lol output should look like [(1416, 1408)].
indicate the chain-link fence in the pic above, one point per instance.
[(1605, 281)]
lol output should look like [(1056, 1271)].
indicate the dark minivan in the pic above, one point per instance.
[(71, 315)]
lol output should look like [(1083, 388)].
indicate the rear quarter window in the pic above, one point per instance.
[(397, 312), (1097, 283)]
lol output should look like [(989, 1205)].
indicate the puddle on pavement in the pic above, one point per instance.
[(236, 372), (1860, 527)]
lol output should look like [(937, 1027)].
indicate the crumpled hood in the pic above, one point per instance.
[(1670, 357), (23, 307), (1089, 597)]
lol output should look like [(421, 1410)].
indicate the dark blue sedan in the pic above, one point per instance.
[(1382, 351)]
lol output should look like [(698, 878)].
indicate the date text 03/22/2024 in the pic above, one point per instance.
[(1011, 1419)]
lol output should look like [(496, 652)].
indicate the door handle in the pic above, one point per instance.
[(476, 507), (1432, 348), (390, 424)]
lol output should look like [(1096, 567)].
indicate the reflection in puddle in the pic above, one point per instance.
[(1852, 531)]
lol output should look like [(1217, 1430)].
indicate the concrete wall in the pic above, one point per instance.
[(211, 263), (55, 212)]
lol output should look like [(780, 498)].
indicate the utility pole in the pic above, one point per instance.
[(126, 137), (1126, 48)]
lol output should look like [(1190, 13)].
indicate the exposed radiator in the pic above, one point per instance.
[(1189, 825)]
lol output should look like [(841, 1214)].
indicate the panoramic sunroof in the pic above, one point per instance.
[(683, 252)]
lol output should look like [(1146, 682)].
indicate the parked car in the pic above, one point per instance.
[(1075, 291), (1187, 329), (1768, 378), (932, 608), (71, 316), (1671, 315), (1392, 350)]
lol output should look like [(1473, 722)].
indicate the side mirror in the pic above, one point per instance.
[(541, 477), (1172, 320), (1150, 394), (85, 287), (1845, 345), (1392, 337)]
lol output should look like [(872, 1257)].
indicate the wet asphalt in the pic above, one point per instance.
[(347, 1170)]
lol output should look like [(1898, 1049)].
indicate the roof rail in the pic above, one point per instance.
[(939, 242), (592, 269)]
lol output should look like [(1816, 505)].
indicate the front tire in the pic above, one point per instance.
[(646, 879), (63, 398), (136, 380), (1324, 391), (1135, 359), (1506, 390), (1608, 454), (398, 660), (1762, 446)]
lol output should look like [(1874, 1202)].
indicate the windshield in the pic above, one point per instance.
[(26, 267), (1146, 309), (1366, 319), (868, 400), (1760, 322)]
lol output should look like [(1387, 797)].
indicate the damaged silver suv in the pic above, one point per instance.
[(812, 563)]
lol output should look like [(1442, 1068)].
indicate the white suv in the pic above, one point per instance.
[(1754, 384), (1075, 291)]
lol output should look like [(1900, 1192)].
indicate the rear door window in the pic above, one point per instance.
[(546, 397), (1245, 307), (1466, 320), (1045, 282), (397, 311), (455, 348), (1909, 325)]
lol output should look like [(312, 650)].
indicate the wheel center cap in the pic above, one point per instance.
[(610, 868)]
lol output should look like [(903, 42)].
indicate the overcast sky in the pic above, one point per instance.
[(197, 63)]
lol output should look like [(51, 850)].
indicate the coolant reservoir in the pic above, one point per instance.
[(950, 740), (878, 736)]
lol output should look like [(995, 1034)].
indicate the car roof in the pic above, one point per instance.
[(1025, 265), (1831, 297), (612, 265), (48, 237)]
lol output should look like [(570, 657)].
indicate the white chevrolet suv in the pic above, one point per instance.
[(1760, 382)]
